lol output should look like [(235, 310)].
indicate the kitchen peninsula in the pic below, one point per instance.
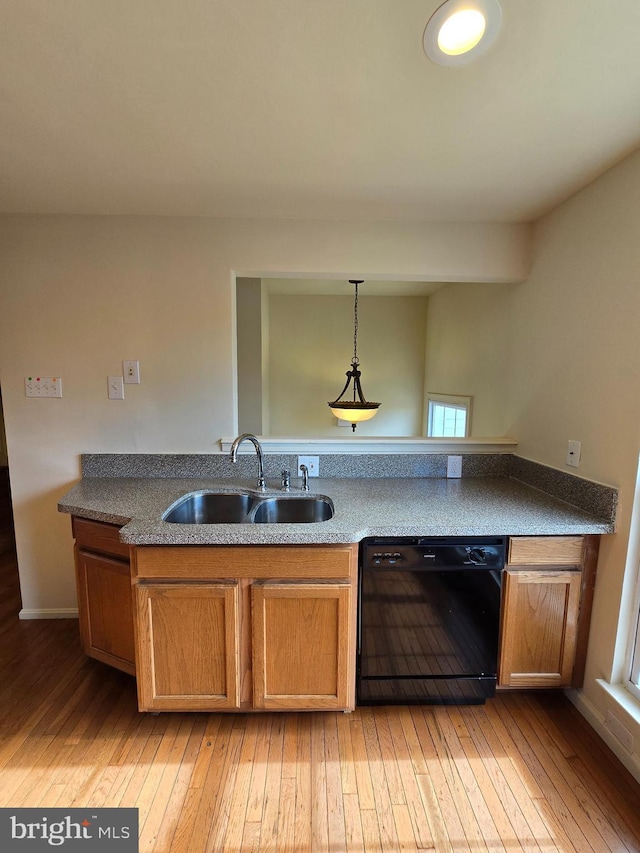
[(263, 616)]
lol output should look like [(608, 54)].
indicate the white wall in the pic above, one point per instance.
[(249, 354), (468, 350), (311, 350), (80, 294), (576, 375)]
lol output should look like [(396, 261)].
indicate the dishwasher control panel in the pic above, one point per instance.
[(444, 553)]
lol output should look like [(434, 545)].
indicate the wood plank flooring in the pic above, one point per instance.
[(522, 773)]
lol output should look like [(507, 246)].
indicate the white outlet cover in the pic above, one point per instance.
[(312, 463), (131, 372), (454, 466), (574, 450)]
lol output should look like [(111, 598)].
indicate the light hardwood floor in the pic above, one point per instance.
[(521, 773)]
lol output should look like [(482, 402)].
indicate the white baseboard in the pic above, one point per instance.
[(51, 613), (597, 721)]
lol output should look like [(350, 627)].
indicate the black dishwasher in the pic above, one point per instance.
[(428, 620)]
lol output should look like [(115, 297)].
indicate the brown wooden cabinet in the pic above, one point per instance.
[(103, 580), (301, 645), (188, 652), (540, 618), (273, 627), (227, 628), (546, 607)]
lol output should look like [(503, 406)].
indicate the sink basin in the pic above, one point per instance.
[(242, 508), (292, 510), (210, 508)]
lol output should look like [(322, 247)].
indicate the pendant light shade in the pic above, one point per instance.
[(356, 409)]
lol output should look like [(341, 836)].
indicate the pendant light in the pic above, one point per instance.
[(357, 409)]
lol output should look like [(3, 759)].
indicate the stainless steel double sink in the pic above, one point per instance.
[(248, 508)]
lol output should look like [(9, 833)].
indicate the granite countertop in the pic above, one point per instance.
[(474, 506)]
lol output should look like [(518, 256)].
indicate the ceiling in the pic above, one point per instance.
[(307, 109)]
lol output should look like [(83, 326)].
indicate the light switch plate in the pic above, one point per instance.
[(116, 387), (43, 386)]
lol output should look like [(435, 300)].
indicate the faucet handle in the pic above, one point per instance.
[(286, 480)]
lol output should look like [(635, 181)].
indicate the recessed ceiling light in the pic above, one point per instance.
[(460, 30)]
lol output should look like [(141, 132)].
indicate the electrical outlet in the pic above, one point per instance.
[(116, 387), (43, 386), (131, 372), (454, 466), (312, 463), (574, 449)]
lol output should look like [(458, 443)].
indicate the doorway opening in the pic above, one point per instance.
[(10, 601)]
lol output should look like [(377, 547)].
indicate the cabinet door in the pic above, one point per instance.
[(105, 609), (302, 647), (539, 621), (187, 645)]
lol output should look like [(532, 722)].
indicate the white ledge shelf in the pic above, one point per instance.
[(276, 444)]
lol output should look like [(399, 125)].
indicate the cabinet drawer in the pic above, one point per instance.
[(99, 536), (546, 550), (196, 562)]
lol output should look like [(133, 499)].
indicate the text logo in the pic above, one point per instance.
[(102, 830)]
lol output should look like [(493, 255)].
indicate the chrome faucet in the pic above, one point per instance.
[(247, 436), (305, 478)]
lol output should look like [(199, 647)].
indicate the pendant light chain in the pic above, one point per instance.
[(355, 325)]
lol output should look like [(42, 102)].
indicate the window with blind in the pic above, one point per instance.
[(449, 416)]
